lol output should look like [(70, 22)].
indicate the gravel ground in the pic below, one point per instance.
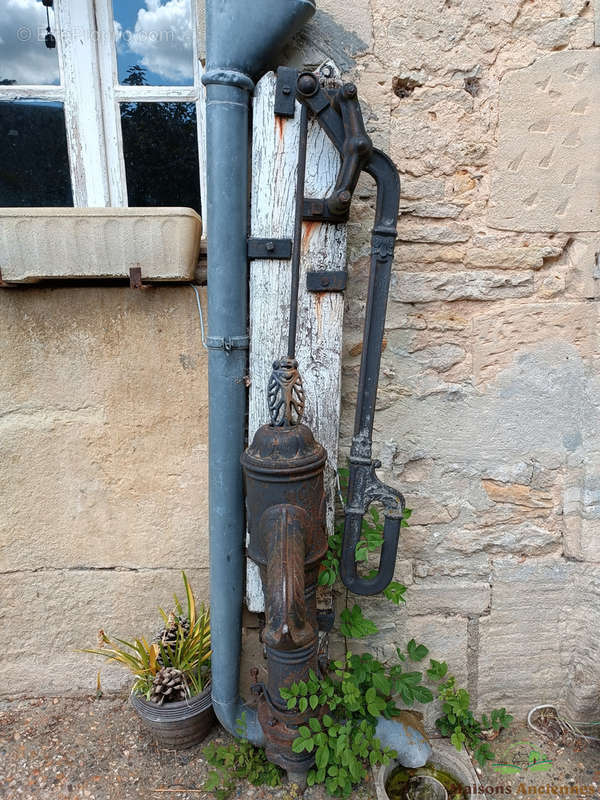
[(65, 748), (71, 748)]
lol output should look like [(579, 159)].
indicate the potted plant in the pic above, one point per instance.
[(171, 691)]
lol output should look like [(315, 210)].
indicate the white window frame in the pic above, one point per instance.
[(91, 94)]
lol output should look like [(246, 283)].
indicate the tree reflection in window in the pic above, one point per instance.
[(160, 147), (34, 163)]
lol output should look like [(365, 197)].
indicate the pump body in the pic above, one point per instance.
[(283, 469)]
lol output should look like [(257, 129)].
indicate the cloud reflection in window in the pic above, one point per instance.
[(157, 35), (24, 57)]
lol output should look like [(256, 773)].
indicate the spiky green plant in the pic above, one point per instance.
[(190, 652)]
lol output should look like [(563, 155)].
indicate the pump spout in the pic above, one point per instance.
[(242, 37), (282, 528), (288, 540)]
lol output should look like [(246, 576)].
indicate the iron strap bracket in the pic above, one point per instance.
[(317, 210), (285, 92), (332, 281), (269, 248), (227, 343)]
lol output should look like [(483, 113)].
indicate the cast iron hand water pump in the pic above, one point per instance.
[(284, 465)]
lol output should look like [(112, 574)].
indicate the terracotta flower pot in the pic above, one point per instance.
[(177, 725)]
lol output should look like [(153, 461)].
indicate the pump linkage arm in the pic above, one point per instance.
[(338, 112)]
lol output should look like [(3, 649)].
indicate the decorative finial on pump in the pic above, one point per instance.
[(285, 393)]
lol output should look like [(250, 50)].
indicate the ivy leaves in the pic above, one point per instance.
[(458, 721), (238, 761), (343, 751), (354, 694), (353, 624)]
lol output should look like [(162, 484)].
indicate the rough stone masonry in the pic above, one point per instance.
[(487, 415)]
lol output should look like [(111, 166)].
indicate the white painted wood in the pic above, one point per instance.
[(111, 116), (34, 92), (320, 315), (155, 94), (198, 52), (76, 29)]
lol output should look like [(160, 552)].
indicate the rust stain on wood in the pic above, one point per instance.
[(318, 311), (279, 123), (307, 229)]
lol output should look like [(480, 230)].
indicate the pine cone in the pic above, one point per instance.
[(168, 635), (168, 686)]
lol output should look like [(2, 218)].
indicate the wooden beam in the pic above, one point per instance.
[(320, 315)]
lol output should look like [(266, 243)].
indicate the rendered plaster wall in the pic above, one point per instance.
[(488, 404), (103, 474)]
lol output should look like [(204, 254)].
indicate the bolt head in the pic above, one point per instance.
[(324, 281), (269, 247), (349, 90), (286, 90), (307, 83)]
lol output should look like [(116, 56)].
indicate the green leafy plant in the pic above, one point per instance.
[(354, 624), (354, 694), (240, 760), (187, 648), (461, 726)]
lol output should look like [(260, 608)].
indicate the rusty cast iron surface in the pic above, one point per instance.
[(283, 468)]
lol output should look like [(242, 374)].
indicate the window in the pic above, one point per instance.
[(112, 116)]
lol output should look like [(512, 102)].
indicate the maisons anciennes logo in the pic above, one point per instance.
[(524, 759), (521, 757)]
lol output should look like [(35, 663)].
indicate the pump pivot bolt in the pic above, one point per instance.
[(307, 84)]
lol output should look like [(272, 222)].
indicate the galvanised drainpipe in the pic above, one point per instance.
[(242, 36)]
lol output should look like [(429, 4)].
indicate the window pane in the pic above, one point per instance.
[(25, 59), (161, 154), (34, 165), (154, 42)]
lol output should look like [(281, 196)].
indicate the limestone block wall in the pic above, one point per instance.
[(103, 474), (488, 404)]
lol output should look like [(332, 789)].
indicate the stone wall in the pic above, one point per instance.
[(487, 416), (103, 474)]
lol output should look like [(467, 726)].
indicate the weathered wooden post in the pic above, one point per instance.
[(319, 338)]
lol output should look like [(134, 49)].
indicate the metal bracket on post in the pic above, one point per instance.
[(333, 281), (319, 211), (269, 248), (285, 92)]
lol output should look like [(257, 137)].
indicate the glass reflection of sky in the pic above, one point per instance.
[(24, 57), (156, 35)]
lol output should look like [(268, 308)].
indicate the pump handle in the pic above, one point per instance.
[(338, 113)]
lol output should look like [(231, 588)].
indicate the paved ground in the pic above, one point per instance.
[(55, 748)]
